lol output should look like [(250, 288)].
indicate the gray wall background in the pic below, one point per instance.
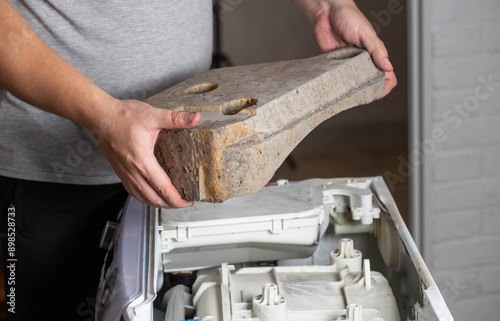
[(461, 172)]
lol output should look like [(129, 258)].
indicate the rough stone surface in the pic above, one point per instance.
[(254, 116)]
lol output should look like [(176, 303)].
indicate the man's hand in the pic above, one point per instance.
[(339, 23), (128, 135), (125, 130)]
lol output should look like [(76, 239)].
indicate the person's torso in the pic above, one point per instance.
[(130, 49)]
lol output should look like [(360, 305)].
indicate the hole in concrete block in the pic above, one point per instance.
[(201, 88), (344, 53), (235, 106)]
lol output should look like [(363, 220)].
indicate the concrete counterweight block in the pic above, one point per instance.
[(254, 116)]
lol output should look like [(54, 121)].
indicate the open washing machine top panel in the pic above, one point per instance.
[(129, 277), (246, 221)]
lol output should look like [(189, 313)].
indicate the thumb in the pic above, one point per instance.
[(372, 43), (180, 119), (379, 53)]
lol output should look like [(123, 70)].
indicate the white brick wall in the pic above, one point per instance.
[(464, 227), (488, 280), (462, 176), (483, 307), (491, 159), (455, 165), (451, 40)]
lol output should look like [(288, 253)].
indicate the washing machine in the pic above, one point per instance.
[(319, 249)]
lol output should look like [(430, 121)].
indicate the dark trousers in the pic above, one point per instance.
[(53, 264)]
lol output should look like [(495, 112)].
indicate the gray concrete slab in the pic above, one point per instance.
[(254, 116)]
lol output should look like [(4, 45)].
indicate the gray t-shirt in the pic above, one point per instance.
[(130, 49)]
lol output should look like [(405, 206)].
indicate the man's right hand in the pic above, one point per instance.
[(129, 132)]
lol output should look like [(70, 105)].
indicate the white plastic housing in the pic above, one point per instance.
[(293, 293), (346, 256), (270, 228), (282, 221)]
